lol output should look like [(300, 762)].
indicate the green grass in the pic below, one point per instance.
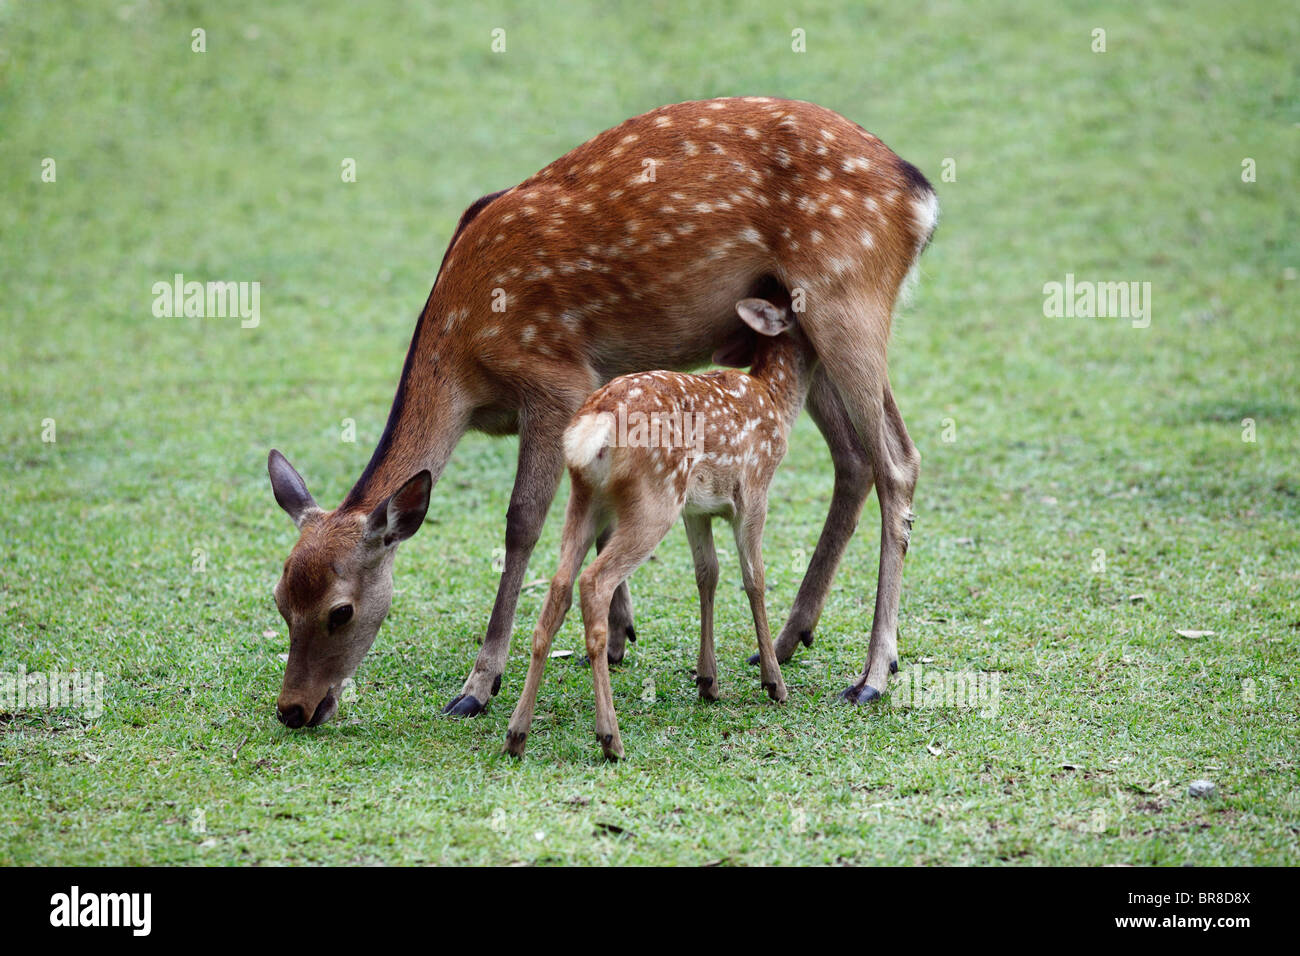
[(1072, 435)]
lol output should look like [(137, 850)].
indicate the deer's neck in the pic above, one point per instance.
[(785, 367), (425, 422)]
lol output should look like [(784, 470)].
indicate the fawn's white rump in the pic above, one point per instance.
[(584, 439)]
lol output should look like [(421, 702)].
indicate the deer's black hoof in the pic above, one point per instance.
[(585, 661), (515, 742), (464, 705), (857, 696)]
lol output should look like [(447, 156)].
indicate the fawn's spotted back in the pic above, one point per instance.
[(705, 438)]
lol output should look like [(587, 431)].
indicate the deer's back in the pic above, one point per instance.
[(631, 251)]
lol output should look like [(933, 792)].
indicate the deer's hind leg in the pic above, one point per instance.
[(580, 523), (849, 336), (637, 532), (853, 481), (621, 631), (620, 613)]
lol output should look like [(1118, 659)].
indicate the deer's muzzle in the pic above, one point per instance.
[(293, 714)]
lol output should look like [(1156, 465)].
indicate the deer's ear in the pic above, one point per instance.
[(400, 515), (764, 317), (737, 351), (290, 490)]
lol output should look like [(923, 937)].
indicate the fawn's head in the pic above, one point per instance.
[(336, 587), (778, 335)]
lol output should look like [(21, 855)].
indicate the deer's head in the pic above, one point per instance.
[(336, 587)]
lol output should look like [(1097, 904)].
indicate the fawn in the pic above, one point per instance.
[(726, 435)]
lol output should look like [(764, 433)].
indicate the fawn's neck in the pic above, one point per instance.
[(785, 366)]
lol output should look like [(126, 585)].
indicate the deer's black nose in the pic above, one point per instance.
[(292, 717)]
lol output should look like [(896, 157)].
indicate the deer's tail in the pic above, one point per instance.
[(586, 442)]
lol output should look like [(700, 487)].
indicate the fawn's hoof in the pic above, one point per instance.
[(515, 742), (857, 696), (611, 745), (464, 705)]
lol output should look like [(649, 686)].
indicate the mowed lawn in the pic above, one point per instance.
[(1089, 488)]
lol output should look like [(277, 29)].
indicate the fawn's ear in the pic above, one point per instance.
[(764, 317), (400, 515), (290, 490)]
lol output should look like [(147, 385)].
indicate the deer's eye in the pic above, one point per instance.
[(340, 616)]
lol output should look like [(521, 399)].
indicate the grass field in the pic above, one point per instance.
[(1087, 489)]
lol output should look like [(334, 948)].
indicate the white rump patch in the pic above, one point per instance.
[(925, 210), (586, 438)]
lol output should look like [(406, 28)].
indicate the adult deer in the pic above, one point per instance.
[(627, 254)]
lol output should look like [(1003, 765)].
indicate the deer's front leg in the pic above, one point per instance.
[(541, 462), (699, 531), (749, 548)]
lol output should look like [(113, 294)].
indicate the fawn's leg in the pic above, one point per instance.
[(699, 532), (637, 533), (621, 631), (579, 530), (620, 613), (748, 529)]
